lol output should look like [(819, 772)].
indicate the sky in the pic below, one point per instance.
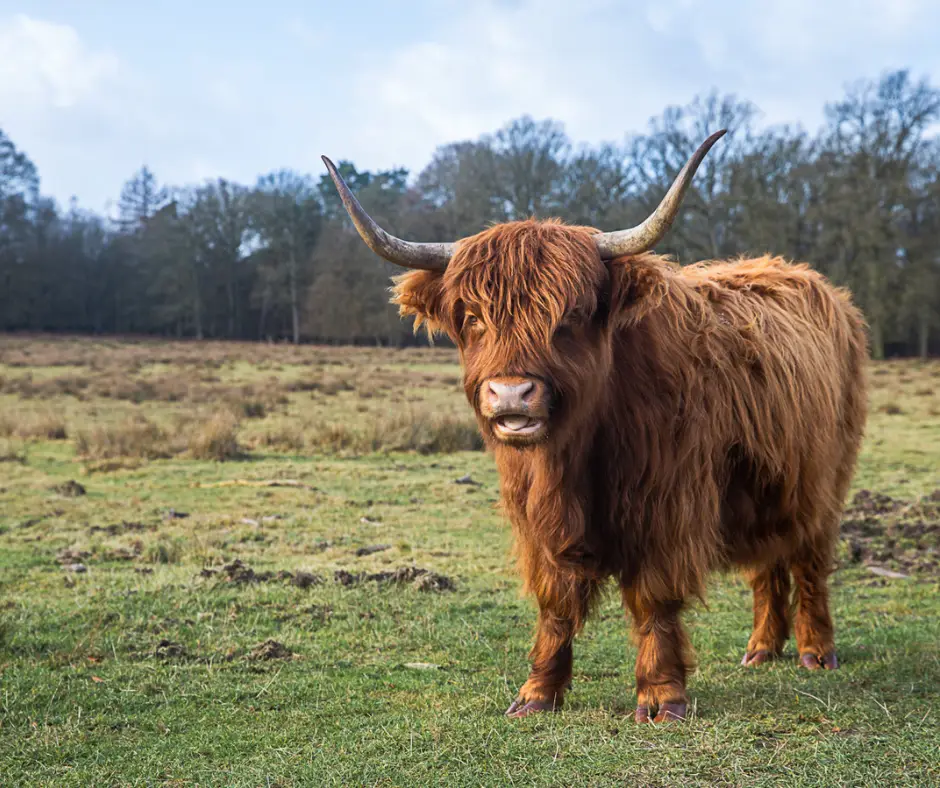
[(93, 90)]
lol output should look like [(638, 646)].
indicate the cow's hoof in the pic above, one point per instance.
[(668, 712), (520, 708), (753, 658), (814, 662)]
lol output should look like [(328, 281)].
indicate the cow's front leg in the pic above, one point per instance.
[(663, 658), (563, 606)]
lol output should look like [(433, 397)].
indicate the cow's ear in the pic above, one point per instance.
[(637, 285), (421, 295)]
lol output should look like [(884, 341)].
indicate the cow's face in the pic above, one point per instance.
[(530, 306)]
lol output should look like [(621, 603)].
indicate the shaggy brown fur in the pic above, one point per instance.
[(702, 417)]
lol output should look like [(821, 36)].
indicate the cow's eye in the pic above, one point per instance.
[(473, 323), (565, 329)]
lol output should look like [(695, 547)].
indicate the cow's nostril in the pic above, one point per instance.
[(499, 394), (509, 394)]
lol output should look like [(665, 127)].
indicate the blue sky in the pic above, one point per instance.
[(92, 90)]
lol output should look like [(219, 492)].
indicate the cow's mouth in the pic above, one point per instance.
[(518, 425)]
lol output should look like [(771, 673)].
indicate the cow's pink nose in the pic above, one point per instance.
[(510, 395)]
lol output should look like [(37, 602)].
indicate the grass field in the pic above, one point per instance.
[(249, 565)]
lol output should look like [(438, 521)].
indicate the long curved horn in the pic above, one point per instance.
[(429, 257), (646, 235)]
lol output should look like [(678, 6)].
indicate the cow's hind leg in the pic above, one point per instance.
[(812, 563), (663, 658), (771, 587), (563, 605), (813, 623)]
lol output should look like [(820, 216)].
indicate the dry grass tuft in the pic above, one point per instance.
[(248, 408), (27, 388), (164, 551), (283, 438), (433, 434), (134, 437), (409, 431), (43, 425), (139, 438), (303, 385), (333, 439), (330, 386), (216, 439), (11, 451)]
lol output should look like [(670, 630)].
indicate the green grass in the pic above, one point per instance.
[(143, 671)]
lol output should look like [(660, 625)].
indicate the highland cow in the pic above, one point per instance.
[(651, 423)]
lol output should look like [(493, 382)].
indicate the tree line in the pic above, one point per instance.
[(279, 259)]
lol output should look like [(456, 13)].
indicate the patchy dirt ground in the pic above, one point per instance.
[(270, 649), (240, 573), (902, 535)]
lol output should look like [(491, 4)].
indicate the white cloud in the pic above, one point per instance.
[(201, 169), (603, 68), (60, 100), (224, 93), (89, 119), (43, 64), (492, 63), (305, 35), (793, 56), (788, 29)]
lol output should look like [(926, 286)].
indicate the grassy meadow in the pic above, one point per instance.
[(259, 565)]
